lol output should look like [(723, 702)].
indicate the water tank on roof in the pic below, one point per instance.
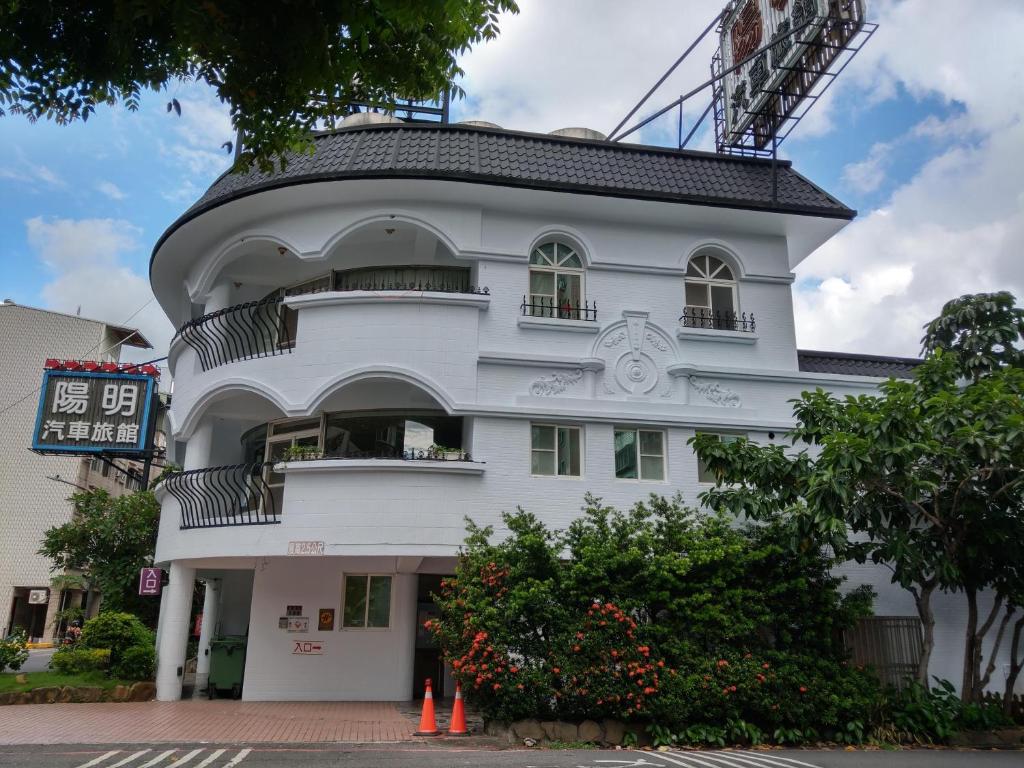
[(479, 124), (369, 118), (580, 133)]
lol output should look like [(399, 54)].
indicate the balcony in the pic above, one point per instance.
[(544, 313), (253, 329), (706, 324), (237, 494)]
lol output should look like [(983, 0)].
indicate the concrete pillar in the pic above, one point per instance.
[(200, 445), (170, 655), (208, 631), (218, 298)]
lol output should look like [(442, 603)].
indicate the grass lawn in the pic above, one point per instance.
[(56, 679)]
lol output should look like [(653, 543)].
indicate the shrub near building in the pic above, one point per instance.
[(660, 615)]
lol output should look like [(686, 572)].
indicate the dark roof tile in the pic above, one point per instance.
[(847, 364)]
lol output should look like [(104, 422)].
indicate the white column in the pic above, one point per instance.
[(170, 655), (211, 615), (200, 445), (218, 298)]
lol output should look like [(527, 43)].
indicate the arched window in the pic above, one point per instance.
[(556, 283), (711, 300)]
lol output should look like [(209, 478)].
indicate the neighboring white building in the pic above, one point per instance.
[(30, 503), (562, 313)]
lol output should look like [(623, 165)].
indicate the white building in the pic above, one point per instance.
[(562, 313), (31, 502)]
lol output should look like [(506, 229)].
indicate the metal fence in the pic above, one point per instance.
[(253, 329), (536, 306), (891, 645), (719, 320), (236, 494)]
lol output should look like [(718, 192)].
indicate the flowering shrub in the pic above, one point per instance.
[(659, 615)]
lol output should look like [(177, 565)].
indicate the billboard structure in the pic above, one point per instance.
[(89, 408), (775, 58)]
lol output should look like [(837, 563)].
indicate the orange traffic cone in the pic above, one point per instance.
[(428, 725), (458, 724)]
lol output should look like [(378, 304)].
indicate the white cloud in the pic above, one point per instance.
[(586, 63), (957, 225), (85, 258), (868, 174), (111, 190)]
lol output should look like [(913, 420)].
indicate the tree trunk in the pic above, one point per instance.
[(983, 680), (977, 647), (1016, 663), (970, 640), (923, 600)]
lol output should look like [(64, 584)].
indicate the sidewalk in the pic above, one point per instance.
[(207, 721)]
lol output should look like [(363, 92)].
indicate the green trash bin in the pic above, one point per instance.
[(227, 666)]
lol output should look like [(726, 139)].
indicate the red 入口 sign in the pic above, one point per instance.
[(150, 582)]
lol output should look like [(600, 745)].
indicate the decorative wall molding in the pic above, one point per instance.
[(716, 393), (656, 341), (556, 383), (615, 339)]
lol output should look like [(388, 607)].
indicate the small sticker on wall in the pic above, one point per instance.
[(326, 622), (282, 622), (298, 624), (307, 648), (293, 610)]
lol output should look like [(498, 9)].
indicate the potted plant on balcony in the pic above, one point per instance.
[(444, 453), (301, 453)]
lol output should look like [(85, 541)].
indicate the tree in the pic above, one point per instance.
[(981, 329), (284, 68), (109, 539), (921, 477)]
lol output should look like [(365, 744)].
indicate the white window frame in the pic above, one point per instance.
[(640, 455), (554, 266), (556, 427), (722, 437), (709, 281), (366, 610)]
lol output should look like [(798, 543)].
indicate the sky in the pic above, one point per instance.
[(922, 134)]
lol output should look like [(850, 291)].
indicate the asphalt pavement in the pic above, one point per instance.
[(416, 756)]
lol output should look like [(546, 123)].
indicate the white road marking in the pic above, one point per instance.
[(734, 759), (185, 758), (100, 759), (128, 759), (690, 760), (237, 758), (217, 753), (774, 760), (158, 758)]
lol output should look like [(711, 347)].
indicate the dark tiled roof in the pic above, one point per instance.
[(847, 364), (536, 161)]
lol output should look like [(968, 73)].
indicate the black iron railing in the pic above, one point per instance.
[(719, 320), (537, 306), (407, 278), (236, 494), (254, 329), (430, 454), (381, 285)]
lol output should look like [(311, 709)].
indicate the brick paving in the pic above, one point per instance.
[(216, 721)]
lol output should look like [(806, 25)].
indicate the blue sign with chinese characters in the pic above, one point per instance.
[(90, 412)]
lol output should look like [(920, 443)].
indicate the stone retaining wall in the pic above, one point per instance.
[(606, 732), (80, 695)]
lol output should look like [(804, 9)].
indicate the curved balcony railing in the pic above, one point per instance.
[(718, 320), (237, 494), (254, 329)]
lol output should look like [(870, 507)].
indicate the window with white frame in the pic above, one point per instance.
[(704, 473), (711, 300), (555, 450), (639, 454), (367, 602), (556, 282)]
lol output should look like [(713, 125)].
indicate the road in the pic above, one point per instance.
[(416, 756)]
